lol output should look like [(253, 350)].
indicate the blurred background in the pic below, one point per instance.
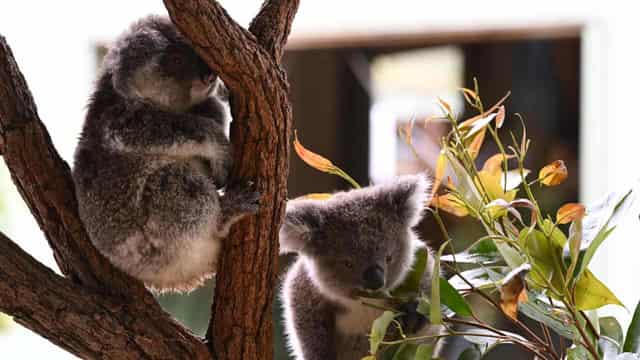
[(359, 70)]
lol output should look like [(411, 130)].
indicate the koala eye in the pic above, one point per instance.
[(389, 258), (348, 264)]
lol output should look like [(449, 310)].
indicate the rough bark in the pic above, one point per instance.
[(99, 312), (87, 324), (249, 63)]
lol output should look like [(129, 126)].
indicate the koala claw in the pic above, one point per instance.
[(242, 197), (411, 320)]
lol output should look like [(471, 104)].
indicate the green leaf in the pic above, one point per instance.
[(542, 312), (546, 263), (407, 351), (480, 252), (590, 293), (610, 327), (553, 232), (424, 352), (453, 300), (578, 353), (471, 353), (411, 284), (435, 316), (379, 330), (601, 218), (464, 182), (632, 342)]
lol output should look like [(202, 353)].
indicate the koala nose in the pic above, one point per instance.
[(373, 277)]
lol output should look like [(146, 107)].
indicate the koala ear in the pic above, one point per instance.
[(409, 196), (302, 222)]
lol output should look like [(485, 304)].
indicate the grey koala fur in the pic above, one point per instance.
[(339, 241), (152, 158)]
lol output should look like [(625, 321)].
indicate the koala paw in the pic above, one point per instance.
[(411, 320), (242, 198)]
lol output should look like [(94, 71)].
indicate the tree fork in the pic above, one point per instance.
[(249, 64), (98, 311)]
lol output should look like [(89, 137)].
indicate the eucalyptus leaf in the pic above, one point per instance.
[(406, 351), (590, 293), (601, 218), (471, 353), (578, 353), (541, 311), (452, 299), (480, 252), (424, 352), (435, 314), (610, 327), (632, 342), (379, 330), (608, 347)]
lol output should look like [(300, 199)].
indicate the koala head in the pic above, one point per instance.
[(154, 63), (360, 239)]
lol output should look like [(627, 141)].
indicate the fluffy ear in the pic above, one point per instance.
[(409, 196), (301, 223)]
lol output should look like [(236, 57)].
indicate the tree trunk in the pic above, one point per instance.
[(99, 312)]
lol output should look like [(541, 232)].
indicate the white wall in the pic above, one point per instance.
[(52, 41)]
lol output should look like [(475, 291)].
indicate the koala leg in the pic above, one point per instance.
[(176, 244)]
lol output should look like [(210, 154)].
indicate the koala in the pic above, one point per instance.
[(153, 158), (360, 240)]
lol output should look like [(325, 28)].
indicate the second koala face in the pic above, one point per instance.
[(153, 62), (357, 240)]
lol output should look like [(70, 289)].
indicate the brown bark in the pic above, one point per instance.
[(87, 324), (100, 312), (249, 63)]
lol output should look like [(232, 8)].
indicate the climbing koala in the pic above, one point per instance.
[(360, 240), (152, 159)]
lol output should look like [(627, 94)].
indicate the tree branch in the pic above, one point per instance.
[(272, 25), (241, 325), (85, 323)]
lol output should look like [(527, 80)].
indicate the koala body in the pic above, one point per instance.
[(355, 241), (152, 158)]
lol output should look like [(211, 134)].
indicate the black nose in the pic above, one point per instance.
[(373, 278)]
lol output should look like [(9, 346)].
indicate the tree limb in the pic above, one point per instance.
[(241, 325), (272, 25), (85, 323)]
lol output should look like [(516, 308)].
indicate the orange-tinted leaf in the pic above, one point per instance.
[(406, 132), (445, 105), (317, 196), (451, 204), (493, 164), (470, 96), (312, 159), (569, 212), (500, 116), (476, 144), (321, 163), (513, 290), (553, 174), (472, 120), (441, 165)]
